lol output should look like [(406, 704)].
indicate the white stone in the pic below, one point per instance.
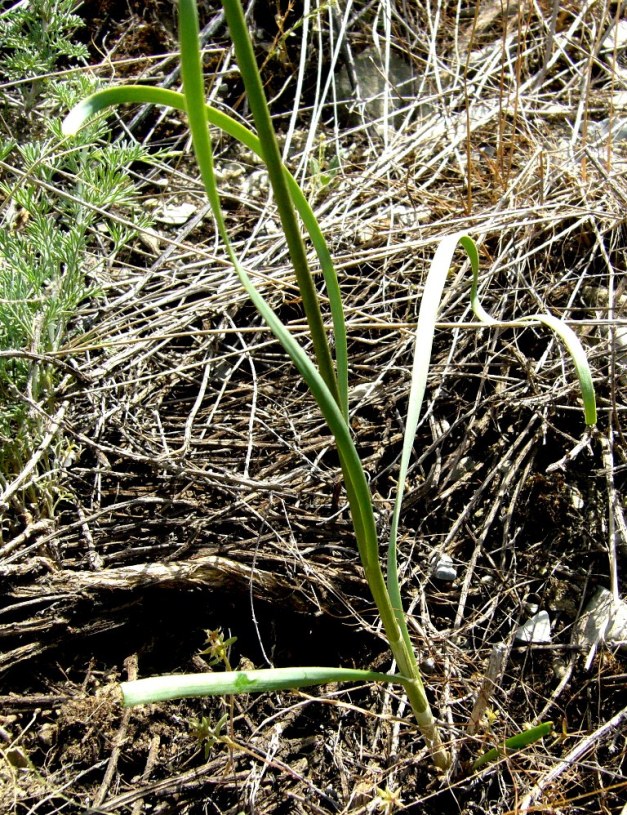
[(175, 214), (536, 629), (603, 620)]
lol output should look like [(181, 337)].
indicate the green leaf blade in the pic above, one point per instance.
[(517, 742), (264, 680), (272, 158), (580, 360)]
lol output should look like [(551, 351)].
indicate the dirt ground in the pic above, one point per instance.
[(203, 491)]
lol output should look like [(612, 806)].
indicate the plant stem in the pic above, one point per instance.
[(272, 159)]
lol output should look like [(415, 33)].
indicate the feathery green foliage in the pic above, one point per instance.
[(46, 265)]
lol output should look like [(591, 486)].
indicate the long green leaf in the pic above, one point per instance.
[(220, 683), (423, 343), (517, 742), (144, 94), (274, 165)]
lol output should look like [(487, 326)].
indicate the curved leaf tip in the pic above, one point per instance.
[(76, 118)]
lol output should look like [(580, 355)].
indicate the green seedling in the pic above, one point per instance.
[(517, 742), (322, 169), (206, 734), (218, 648), (387, 800), (325, 375)]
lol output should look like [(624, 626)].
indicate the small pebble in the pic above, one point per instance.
[(427, 665), (487, 579), (444, 569), (175, 214)]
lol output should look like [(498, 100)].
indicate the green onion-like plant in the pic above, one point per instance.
[(325, 374), (517, 742)]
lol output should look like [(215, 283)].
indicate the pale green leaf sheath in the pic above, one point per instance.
[(220, 683)]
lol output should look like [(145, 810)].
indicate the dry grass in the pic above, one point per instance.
[(202, 464)]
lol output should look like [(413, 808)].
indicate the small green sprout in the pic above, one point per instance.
[(388, 800), (218, 648), (322, 169), (207, 735)]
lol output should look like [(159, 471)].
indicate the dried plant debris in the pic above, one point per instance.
[(194, 486)]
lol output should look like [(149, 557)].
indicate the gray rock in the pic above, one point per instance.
[(375, 89), (443, 568)]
